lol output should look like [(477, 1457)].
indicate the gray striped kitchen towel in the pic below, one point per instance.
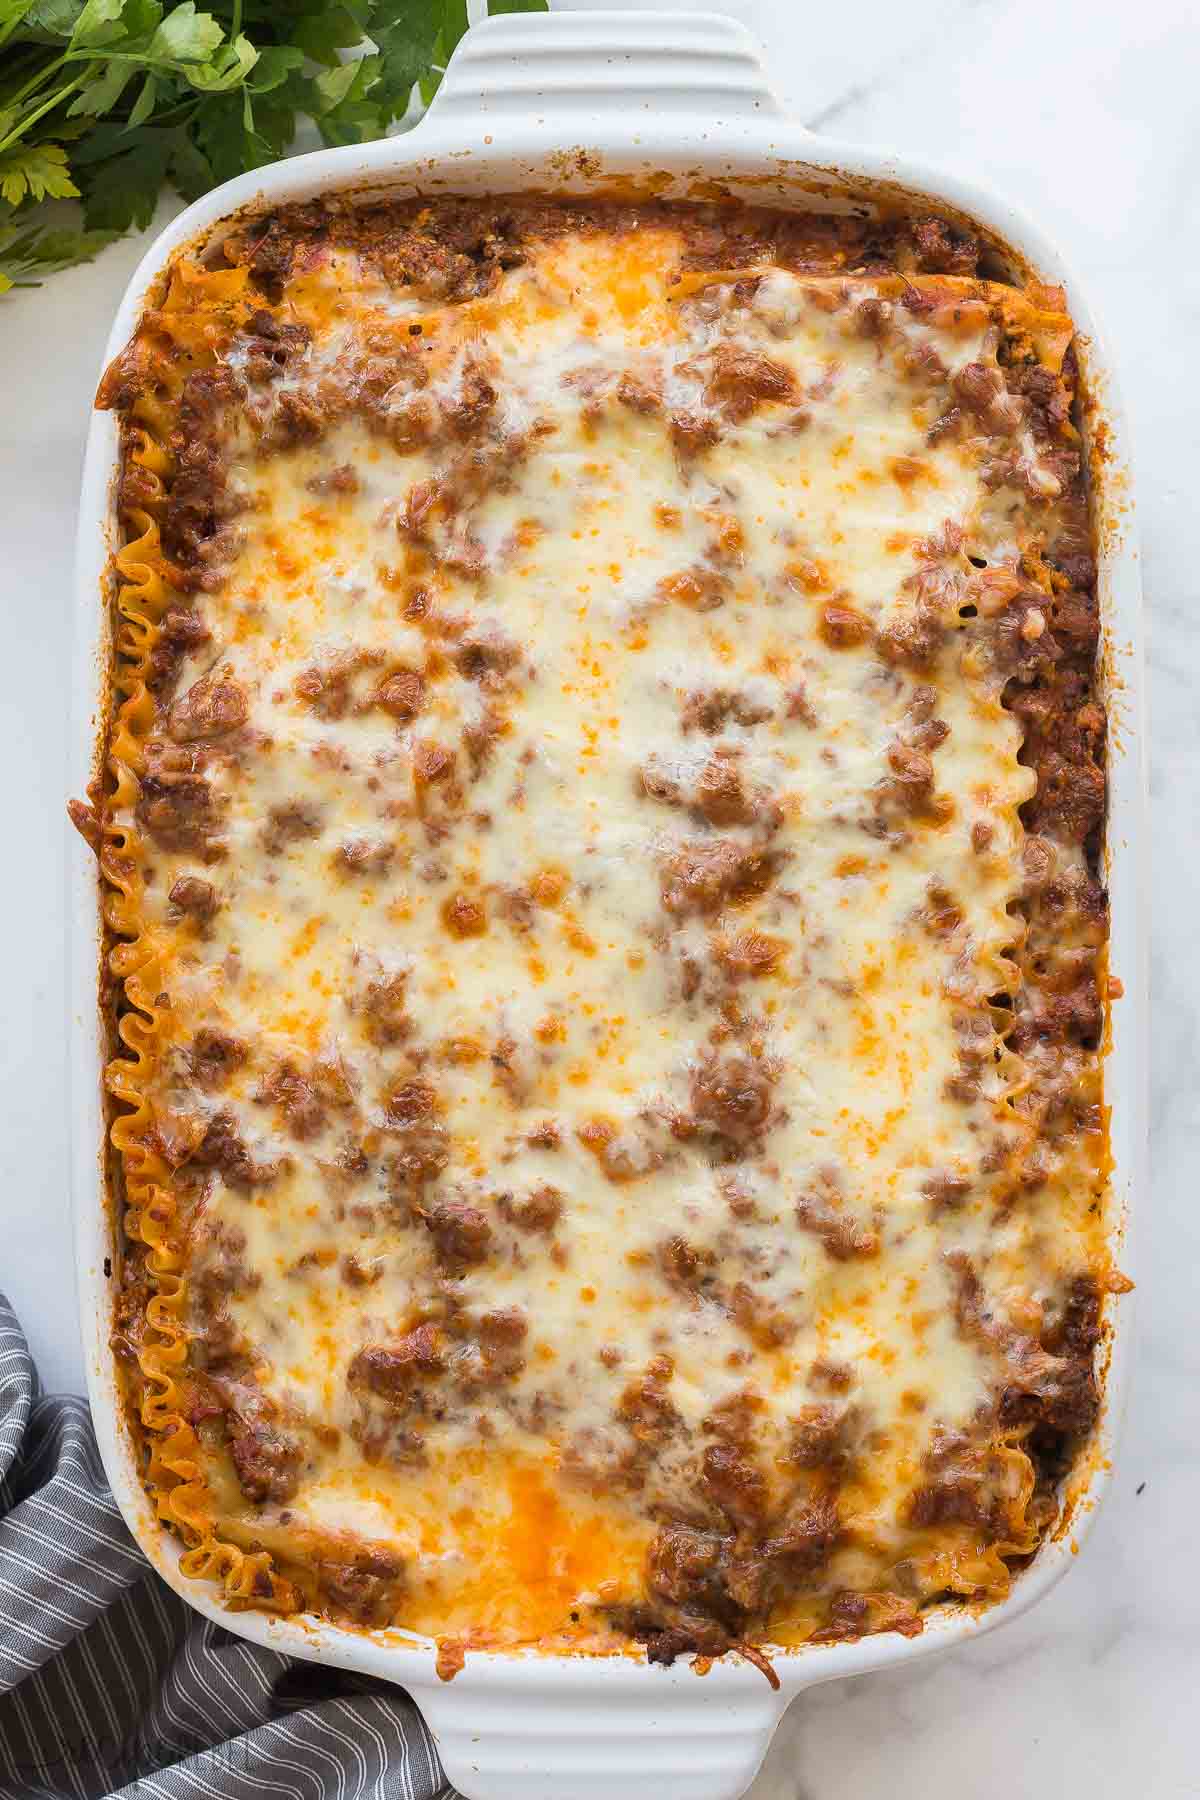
[(111, 1686)]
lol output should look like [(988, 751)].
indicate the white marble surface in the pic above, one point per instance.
[(1092, 1692)]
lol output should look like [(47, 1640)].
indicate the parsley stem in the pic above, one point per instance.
[(168, 116), (37, 79), (39, 112)]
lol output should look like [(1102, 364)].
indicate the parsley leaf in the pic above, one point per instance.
[(123, 190), (35, 172), (26, 255), (186, 36), (323, 34), (406, 40)]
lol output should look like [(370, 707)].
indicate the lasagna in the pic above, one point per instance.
[(601, 833)]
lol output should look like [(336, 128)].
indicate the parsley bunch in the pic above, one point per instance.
[(104, 102)]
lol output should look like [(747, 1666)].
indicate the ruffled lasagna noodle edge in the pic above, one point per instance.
[(171, 1468)]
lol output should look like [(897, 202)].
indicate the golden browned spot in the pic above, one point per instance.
[(620, 1156), (809, 574), (907, 469), (548, 886), (578, 938), (842, 627), (463, 916), (700, 589), (729, 537)]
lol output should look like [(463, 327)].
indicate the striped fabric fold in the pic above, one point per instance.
[(110, 1685)]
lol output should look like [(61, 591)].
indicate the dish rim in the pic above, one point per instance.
[(453, 150)]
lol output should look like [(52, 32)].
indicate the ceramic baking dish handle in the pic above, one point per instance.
[(590, 66), (500, 1740)]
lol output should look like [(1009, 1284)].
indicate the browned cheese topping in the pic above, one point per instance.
[(603, 839)]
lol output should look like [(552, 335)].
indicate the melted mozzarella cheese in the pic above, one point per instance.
[(649, 621)]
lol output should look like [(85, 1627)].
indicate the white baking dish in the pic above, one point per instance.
[(568, 103)]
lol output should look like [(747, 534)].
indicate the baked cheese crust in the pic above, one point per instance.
[(602, 838)]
